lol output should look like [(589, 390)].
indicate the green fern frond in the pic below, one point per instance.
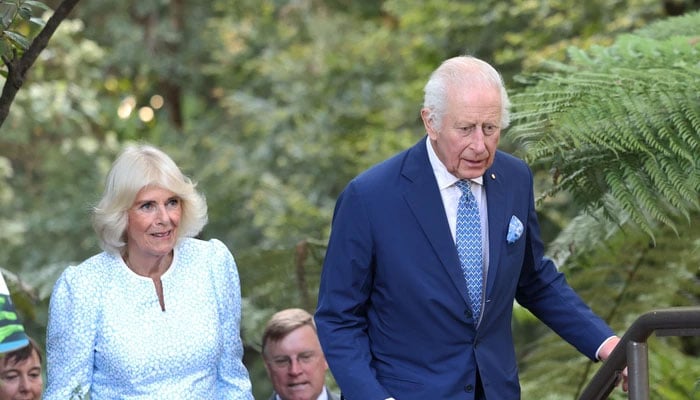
[(684, 181), (659, 178), (582, 234), (678, 26), (627, 201), (620, 123)]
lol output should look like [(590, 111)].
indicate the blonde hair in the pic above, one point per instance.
[(138, 167)]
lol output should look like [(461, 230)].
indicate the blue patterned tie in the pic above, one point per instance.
[(468, 240)]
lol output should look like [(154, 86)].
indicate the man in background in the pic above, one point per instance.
[(293, 357)]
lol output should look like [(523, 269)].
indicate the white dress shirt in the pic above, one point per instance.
[(450, 199), (322, 396)]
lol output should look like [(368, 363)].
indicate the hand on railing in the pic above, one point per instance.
[(675, 321), (605, 352)]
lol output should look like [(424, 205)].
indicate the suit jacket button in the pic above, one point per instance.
[(469, 388), (468, 314)]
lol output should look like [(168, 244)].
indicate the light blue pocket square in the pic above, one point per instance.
[(515, 229)]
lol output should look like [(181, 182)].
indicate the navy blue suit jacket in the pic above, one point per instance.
[(393, 315)]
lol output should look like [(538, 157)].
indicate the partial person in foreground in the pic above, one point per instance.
[(429, 249), (20, 373), (293, 357), (157, 313)]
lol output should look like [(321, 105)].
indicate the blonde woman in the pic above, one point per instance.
[(157, 313)]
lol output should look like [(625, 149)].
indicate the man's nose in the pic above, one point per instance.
[(477, 140), (295, 367)]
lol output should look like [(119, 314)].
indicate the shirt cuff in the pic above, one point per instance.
[(597, 352)]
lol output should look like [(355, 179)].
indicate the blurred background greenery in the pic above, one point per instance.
[(272, 106)]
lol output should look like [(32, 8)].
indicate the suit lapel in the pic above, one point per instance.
[(423, 197), (498, 204)]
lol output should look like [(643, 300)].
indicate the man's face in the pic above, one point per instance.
[(467, 140), (296, 365)]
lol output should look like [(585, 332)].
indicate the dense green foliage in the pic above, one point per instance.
[(619, 129), (273, 106), (18, 23), (610, 146)]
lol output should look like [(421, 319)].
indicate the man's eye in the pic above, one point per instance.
[(490, 129), (281, 361)]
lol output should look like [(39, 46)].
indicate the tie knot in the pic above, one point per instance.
[(464, 185)]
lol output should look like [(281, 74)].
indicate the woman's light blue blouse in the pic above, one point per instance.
[(108, 335)]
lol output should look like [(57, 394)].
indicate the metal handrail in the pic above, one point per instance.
[(632, 351)]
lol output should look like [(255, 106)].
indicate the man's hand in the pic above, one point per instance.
[(605, 352)]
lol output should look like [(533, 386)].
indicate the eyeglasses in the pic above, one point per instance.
[(284, 362)]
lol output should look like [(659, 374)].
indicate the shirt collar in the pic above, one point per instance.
[(322, 396), (443, 177)]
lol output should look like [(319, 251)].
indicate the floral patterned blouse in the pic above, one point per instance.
[(108, 336)]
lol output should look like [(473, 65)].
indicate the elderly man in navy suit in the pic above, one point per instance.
[(429, 249)]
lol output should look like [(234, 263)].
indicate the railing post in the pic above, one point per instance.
[(632, 351), (638, 370)]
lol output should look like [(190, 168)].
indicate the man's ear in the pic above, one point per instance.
[(428, 122), (267, 369)]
